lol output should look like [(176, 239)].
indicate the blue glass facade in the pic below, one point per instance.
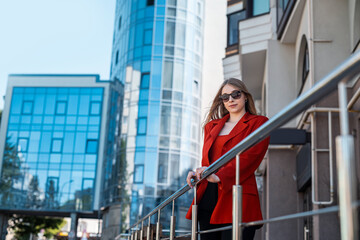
[(157, 54), (51, 149), (114, 167)]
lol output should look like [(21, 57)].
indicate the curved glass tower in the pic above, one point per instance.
[(157, 54)]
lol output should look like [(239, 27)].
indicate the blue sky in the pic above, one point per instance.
[(75, 36), (55, 36)]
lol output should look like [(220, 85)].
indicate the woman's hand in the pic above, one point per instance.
[(191, 175), (197, 175), (213, 178)]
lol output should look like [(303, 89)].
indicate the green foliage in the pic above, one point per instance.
[(33, 196), (24, 226), (10, 172)]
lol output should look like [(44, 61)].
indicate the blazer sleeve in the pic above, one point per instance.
[(207, 130), (249, 162)]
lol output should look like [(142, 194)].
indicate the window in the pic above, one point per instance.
[(356, 26), (143, 110), (163, 167), (141, 128), (198, 8), (27, 107), (170, 33), (119, 25), (60, 108), (23, 144), (174, 165), (168, 74), (197, 44), (196, 87), (91, 146), (260, 7), (95, 108), (144, 95), (306, 66), (149, 2), (284, 9), (303, 65), (165, 119), (233, 27), (139, 173), (56, 145), (180, 34), (147, 37), (117, 57), (145, 79)]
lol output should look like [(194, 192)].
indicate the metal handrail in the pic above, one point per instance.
[(344, 72), (327, 210)]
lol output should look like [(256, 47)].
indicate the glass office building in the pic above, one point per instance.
[(54, 129), (157, 54)]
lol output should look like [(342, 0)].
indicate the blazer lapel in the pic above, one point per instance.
[(240, 126)]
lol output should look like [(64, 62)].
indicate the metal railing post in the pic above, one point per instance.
[(142, 230), (194, 217), (136, 234), (133, 236), (158, 227), (149, 230), (237, 203), (346, 177), (345, 145), (172, 222)]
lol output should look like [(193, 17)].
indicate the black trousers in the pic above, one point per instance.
[(248, 233), (206, 207)]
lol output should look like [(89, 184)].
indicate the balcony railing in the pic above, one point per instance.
[(345, 165)]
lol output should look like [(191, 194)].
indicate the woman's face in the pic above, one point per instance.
[(233, 105)]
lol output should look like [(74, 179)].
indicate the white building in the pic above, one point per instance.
[(280, 54)]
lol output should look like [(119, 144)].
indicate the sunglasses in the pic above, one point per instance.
[(235, 95)]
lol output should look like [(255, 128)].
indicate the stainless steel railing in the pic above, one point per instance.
[(345, 157)]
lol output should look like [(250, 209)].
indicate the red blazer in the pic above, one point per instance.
[(249, 162)]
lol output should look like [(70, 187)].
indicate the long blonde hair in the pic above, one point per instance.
[(218, 110)]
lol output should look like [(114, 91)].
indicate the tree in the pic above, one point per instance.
[(123, 178), (33, 196), (10, 172), (25, 226)]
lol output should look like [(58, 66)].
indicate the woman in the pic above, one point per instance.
[(231, 118)]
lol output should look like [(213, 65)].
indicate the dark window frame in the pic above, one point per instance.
[(150, 2), (282, 22), (228, 27), (163, 167), (117, 57), (305, 67), (119, 23), (52, 145), (91, 103), (142, 167), (144, 37), (27, 144), (141, 81), (138, 121), (56, 108), (87, 146), (32, 107)]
